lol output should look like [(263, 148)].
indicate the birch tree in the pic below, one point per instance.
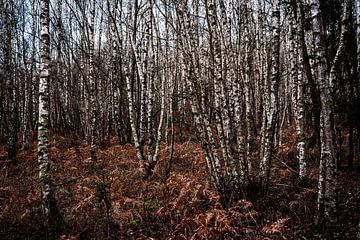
[(52, 214), (297, 66), (9, 78), (189, 72), (272, 113), (92, 83), (146, 68), (221, 110), (327, 175), (247, 80), (2, 84), (26, 99)]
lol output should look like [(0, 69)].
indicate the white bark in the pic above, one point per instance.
[(201, 118), (327, 195), (52, 214), (265, 163), (298, 77), (221, 113), (248, 87), (162, 112), (93, 107)]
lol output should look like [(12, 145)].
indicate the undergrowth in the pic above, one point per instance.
[(112, 201)]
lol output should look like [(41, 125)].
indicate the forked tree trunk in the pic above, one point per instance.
[(138, 145), (326, 216)]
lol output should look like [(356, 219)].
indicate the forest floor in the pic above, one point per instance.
[(110, 200)]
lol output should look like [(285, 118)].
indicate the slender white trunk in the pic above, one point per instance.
[(93, 107), (327, 178), (265, 163), (201, 118), (52, 214), (25, 115), (248, 87), (221, 113), (298, 78), (162, 112)]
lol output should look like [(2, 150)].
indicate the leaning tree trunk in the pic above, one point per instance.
[(138, 145), (188, 58), (54, 219), (327, 180)]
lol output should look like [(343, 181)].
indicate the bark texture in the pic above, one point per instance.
[(327, 180), (52, 214), (273, 107)]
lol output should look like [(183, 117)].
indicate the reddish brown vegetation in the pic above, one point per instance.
[(109, 199)]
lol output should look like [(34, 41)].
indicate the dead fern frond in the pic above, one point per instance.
[(277, 227)]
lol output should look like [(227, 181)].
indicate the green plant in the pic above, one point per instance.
[(135, 222), (150, 205), (178, 213)]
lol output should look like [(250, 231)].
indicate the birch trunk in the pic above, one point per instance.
[(190, 74), (9, 78), (327, 191), (149, 76), (299, 85), (52, 214), (92, 93), (265, 163), (345, 28), (25, 113), (159, 128), (247, 80), (113, 9), (33, 109), (221, 113), (139, 148)]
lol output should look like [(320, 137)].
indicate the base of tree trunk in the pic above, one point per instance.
[(328, 230), (11, 152), (55, 222)]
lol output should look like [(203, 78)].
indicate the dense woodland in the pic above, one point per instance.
[(191, 119)]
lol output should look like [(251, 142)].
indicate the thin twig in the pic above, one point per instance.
[(287, 166)]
